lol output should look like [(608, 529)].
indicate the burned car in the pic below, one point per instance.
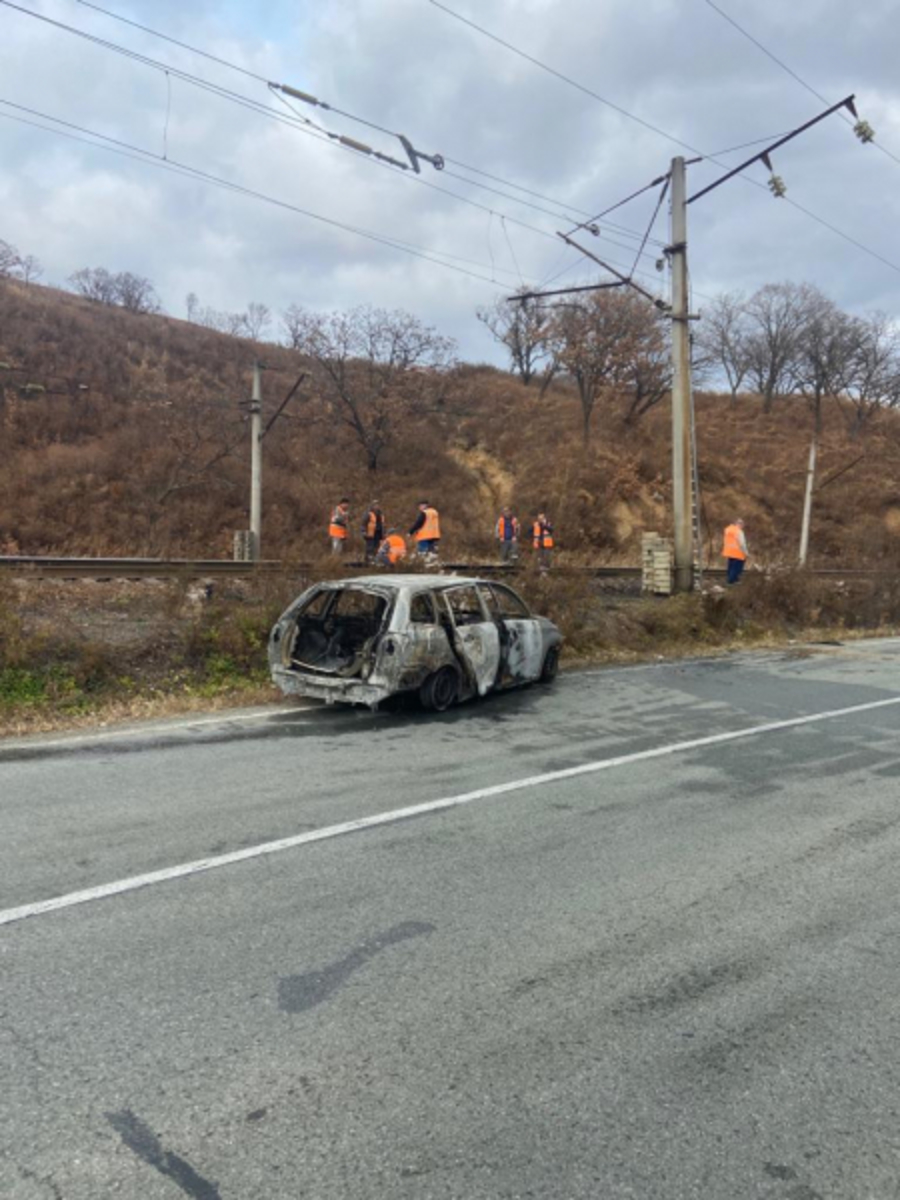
[(445, 637)]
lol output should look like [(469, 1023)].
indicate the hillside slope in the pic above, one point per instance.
[(122, 434)]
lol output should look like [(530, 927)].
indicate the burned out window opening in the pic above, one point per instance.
[(421, 610), (337, 636), (490, 601), (509, 606), (465, 605)]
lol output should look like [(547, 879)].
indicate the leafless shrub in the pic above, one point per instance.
[(523, 327), (378, 371), (125, 289)]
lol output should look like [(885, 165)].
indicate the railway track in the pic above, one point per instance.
[(42, 566)]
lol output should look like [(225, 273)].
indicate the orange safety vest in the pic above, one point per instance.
[(338, 526), (543, 537), (731, 547), (372, 523), (431, 530), (396, 548)]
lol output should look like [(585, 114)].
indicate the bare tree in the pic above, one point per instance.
[(648, 368), (199, 440), (826, 348), (722, 340), (127, 290), (136, 293), (256, 320), (874, 377), (234, 324), (776, 316), (29, 269), (294, 320), (377, 370), (95, 283), (598, 342), (523, 327), (192, 306), (824, 351), (9, 259)]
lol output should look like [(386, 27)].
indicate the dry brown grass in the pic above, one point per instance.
[(92, 472), (81, 654)]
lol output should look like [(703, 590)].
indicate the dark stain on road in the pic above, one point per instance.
[(298, 993), (143, 1142), (777, 1171), (686, 988)]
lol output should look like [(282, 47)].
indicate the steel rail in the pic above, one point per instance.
[(41, 566)]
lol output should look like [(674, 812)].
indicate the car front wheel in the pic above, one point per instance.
[(440, 690)]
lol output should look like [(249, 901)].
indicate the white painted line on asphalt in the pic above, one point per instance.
[(137, 731), (200, 865)]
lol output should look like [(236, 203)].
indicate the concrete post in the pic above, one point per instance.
[(807, 499), (681, 386), (256, 464)]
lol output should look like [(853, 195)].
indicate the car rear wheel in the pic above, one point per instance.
[(440, 690), (550, 668)]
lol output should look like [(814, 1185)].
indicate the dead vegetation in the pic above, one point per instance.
[(123, 435), (81, 652)]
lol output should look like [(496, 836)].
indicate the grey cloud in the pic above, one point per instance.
[(412, 68)]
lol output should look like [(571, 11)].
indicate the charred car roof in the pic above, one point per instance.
[(402, 583)]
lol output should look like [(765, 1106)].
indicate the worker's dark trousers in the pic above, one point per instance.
[(372, 545), (735, 567)]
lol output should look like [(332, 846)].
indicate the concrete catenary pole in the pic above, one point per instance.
[(681, 386), (256, 464), (807, 499)]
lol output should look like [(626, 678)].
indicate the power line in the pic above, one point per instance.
[(559, 75), (174, 41), (654, 128), (652, 222), (348, 115), (306, 126), (619, 203), (151, 158), (784, 66)]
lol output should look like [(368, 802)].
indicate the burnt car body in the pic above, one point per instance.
[(446, 637)]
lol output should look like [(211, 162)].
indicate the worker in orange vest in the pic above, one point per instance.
[(734, 549), (373, 530), (542, 534), (426, 529), (507, 532), (391, 550), (338, 528)]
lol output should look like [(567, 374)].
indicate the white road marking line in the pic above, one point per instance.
[(137, 731), (200, 865)]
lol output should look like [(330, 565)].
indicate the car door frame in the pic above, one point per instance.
[(521, 638), (476, 644)]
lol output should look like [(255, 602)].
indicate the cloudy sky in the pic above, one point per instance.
[(411, 68)]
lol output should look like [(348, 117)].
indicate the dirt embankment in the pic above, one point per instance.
[(123, 434)]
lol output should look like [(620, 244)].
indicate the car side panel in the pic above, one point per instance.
[(525, 651), (480, 644)]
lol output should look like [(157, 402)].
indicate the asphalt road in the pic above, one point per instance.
[(664, 964)]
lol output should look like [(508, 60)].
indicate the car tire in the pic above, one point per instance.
[(440, 691), (550, 669)]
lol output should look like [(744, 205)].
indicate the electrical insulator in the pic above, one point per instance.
[(864, 131), (777, 186)]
